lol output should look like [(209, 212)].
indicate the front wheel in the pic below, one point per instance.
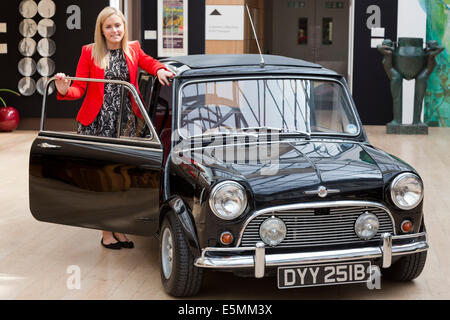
[(407, 268), (179, 276)]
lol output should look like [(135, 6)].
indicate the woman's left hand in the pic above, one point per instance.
[(164, 76)]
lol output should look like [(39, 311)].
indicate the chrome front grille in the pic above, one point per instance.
[(305, 228)]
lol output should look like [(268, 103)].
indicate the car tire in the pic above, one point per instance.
[(407, 268), (179, 276)]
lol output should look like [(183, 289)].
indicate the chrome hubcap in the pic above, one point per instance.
[(167, 253)]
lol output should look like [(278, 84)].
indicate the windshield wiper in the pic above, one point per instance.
[(303, 133), (225, 133), (261, 128), (279, 130)]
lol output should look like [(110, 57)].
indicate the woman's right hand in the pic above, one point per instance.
[(62, 84)]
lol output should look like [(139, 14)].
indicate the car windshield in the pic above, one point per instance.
[(290, 106)]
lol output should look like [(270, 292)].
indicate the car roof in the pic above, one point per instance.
[(232, 64)]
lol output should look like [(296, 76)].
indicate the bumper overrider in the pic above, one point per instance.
[(256, 257)]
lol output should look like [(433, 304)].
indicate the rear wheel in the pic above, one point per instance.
[(179, 276), (407, 268)]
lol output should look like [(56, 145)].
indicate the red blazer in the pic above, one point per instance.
[(95, 90)]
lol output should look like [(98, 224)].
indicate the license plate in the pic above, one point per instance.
[(323, 274)]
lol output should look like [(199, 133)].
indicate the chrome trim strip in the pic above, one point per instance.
[(314, 205), (128, 85), (273, 77), (100, 143), (286, 259)]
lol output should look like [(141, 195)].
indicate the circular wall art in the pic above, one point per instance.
[(27, 28), (46, 67), (46, 8), (27, 86), (46, 28), (42, 82), (46, 47), (28, 8), (27, 47), (27, 67)]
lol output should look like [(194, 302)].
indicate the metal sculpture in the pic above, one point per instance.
[(408, 60)]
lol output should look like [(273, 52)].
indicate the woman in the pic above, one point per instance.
[(111, 57)]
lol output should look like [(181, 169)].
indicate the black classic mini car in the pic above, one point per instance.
[(259, 168)]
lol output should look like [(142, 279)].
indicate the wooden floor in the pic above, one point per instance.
[(35, 256)]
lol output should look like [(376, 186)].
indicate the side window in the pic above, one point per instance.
[(119, 116), (162, 108)]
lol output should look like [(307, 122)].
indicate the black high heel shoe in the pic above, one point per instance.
[(124, 244), (114, 246)]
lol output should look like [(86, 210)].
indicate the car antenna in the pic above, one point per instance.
[(261, 63)]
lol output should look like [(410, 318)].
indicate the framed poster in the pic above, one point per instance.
[(172, 28)]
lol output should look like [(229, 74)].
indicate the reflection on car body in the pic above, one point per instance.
[(262, 171)]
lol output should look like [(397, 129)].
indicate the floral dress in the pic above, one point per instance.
[(106, 122)]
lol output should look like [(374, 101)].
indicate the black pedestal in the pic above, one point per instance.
[(406, 128)]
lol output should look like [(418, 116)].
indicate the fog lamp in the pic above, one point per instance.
[(272, 231), (366, 226)]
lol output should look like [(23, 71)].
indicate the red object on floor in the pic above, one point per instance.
[(9, 119)]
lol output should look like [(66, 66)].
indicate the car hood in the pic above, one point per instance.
[(292, 175)]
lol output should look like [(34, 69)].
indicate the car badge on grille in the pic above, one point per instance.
[(322, 191)]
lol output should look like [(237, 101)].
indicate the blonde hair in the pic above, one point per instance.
[(99, 49)]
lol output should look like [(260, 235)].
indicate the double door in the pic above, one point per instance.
[(313, 30)]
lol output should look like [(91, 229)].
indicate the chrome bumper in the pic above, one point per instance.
[(389, 247)]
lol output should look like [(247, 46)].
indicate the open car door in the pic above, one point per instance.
[(95, 182)]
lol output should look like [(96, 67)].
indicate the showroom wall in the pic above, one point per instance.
[(73, 28), (371, 88)]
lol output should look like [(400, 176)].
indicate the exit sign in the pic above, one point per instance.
[(296, 4), (334, 5)]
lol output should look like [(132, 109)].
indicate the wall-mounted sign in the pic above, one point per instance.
[(172, 28), (224, 23), (296, 4), (334, 5)]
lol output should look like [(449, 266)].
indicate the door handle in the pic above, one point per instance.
[(46, 145)]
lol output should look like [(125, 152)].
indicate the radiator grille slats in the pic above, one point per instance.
[(305, 229)]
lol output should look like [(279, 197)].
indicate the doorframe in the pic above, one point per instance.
[(351, 38), (351, 43)]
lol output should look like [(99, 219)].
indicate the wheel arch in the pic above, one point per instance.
[(178, 208)]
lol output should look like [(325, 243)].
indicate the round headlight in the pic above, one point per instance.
[(228, 200), (366, 226), (407, 191), (272, 231)]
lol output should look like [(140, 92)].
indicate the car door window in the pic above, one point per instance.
[(162, 109), (121, 117)]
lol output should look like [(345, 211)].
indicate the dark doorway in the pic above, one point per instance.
[(312, 30)]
